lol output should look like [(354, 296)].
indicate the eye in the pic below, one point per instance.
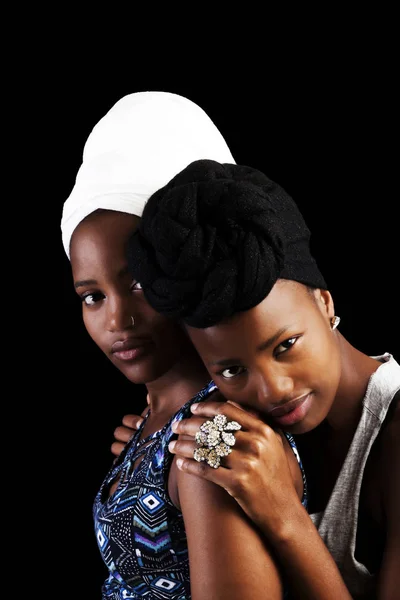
[(286, 345), (136, 286), (231, 372), (91, 299)]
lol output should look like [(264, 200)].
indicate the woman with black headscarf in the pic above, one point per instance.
[(225, 251)]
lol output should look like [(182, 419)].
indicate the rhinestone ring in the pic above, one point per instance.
[(215, 440)]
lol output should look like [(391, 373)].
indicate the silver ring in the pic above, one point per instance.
[(215, 440)]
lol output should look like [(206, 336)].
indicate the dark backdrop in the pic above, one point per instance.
[(325, 134)]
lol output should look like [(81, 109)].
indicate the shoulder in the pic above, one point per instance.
[(219, 536)]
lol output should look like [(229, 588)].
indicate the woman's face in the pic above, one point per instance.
[(281, 357), (145, 351)]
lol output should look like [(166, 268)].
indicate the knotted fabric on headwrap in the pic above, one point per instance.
[(137, 147), (214, 241)]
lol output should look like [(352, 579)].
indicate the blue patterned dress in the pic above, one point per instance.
[(139, 531)]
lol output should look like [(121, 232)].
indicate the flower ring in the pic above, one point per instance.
[(215, 440)]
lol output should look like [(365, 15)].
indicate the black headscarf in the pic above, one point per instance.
[(215, 239)]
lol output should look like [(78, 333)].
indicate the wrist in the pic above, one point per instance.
[(290, 523)]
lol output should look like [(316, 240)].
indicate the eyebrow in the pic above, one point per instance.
[(226, 362), (84, 283), (87, 282)]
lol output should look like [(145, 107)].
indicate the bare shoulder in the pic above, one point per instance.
[(220, 537)]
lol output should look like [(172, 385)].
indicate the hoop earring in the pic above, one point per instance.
[(133, 321), (334, 322)]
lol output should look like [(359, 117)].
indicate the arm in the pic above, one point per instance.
[(309, 566), (389, 577), (257, 476), (228, 558)]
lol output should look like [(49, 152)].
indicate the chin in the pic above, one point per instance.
[(139, 374), (144, 374), (309, 423), (302, 427)]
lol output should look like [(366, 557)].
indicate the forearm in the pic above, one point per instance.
[(308, 566)]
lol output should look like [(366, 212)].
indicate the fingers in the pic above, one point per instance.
[(251, 411), (132, 421), (206, 410), (231, 411), (123, 434), (186, 448), (116, 448), (188, 426), (183, 448), (219, 476)]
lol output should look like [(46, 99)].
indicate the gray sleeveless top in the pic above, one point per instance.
[(337, 524)]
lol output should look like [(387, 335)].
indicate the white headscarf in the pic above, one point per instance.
[(143, 141)]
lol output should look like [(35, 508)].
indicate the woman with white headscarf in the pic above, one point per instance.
[(152, 522)]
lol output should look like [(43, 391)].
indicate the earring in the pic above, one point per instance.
[(133, 322), (334, 322)]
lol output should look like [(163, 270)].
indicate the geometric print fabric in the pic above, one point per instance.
[(139, 532)]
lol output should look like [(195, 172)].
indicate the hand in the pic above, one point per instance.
[(256, 473), (123, 433)]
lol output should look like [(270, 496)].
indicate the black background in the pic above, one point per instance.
[(322, 127)]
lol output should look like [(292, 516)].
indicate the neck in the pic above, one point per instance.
[(171, 391), (356, 371)]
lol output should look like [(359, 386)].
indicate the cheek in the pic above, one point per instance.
[(88, 323), (323, 366), (92, 327), (329, 354), (239, 392), (320, 346)]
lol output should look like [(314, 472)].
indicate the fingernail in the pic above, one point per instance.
[(179, 462), (138, 423), (194, 407), (171, 446), (174, 425)]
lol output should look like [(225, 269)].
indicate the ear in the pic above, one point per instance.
[(325, 302)]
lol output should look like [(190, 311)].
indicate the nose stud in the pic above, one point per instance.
[(132, 321)]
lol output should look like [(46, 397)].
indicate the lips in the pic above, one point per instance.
[(131, 349), (287, 407), (291, 412), (128, 344)]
